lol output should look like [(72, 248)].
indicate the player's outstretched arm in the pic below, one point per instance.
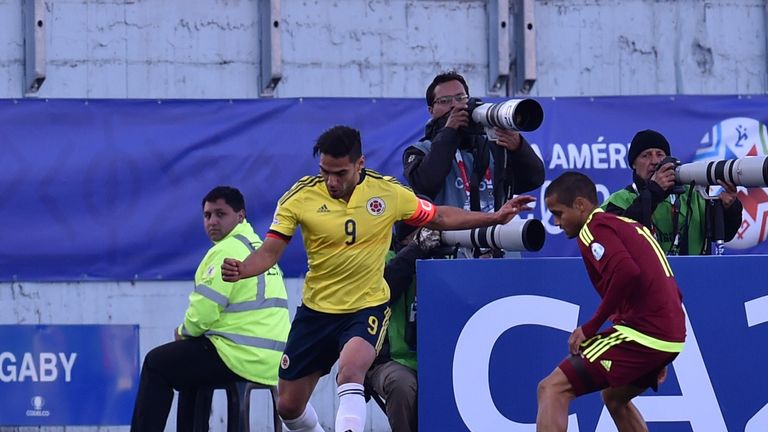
[(452, 218), (256, 263)]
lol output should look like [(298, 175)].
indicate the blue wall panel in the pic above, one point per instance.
[(485, 342), (68, 374)]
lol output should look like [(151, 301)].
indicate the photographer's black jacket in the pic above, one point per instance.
[(513, 172)]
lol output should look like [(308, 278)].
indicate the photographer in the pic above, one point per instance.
[(459, 169), (678, 216)]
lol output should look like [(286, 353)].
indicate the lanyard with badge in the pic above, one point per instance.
[(484, 206), (677, 230)]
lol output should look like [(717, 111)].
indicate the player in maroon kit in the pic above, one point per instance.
[(638, 294)]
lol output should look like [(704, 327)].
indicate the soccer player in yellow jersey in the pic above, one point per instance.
[(346, 214)]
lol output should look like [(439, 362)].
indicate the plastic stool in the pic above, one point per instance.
[(238, 406)]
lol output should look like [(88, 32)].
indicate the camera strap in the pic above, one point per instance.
[(472, 184), (646, 214), (680, 244), (674, 248), (472, 189)]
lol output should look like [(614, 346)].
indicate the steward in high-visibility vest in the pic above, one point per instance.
[(247, 321), (231, 331)]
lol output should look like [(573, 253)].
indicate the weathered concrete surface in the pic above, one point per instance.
[(385, 48)]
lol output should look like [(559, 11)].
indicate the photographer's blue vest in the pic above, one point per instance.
[(453, 193)]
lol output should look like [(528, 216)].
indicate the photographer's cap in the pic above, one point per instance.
[(644, 140)]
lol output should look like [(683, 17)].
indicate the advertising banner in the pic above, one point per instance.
[(490, 330), (68, 374), (112, 189)]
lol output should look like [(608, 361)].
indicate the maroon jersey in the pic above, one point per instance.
[(633, 277)]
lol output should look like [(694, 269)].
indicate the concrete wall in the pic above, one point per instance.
[(158, 307), (385, 48), (651, 47), (137, 49)]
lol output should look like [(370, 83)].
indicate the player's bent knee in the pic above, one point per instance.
[(545, 389), (351, 374), (555, 385), (614, 401), (289, 409)]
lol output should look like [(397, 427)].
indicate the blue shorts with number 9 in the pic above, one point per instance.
[(316, 338)]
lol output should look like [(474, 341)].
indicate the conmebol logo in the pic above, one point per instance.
[(734, 138)]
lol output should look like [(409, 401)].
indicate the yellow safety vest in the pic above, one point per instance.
[(247, 320)]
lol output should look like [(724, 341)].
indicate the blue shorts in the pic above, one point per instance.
[(316, 338)]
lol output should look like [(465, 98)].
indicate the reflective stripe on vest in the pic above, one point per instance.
[(212, 295), (261, 301), (251, 341), (245, 241)]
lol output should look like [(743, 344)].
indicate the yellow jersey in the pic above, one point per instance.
[(346, 242)]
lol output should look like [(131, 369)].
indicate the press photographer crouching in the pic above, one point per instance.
[(456, 164), (393, 374), (682, 220)]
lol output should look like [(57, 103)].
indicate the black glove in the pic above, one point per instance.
[(427, 239)]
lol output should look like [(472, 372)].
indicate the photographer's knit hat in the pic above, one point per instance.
[(645, 140)]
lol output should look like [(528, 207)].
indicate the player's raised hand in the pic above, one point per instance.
[(230, 270), (513, 207)]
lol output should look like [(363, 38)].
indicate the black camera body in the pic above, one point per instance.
[(669, 159), (678, 188), (474, 128)]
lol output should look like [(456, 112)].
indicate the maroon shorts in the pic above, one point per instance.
[(609, 359)]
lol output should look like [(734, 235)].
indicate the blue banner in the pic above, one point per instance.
[(112, 189), (483, 347), (68, 374)]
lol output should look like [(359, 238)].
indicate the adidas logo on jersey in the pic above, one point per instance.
[(606, 364), (323, 209)]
